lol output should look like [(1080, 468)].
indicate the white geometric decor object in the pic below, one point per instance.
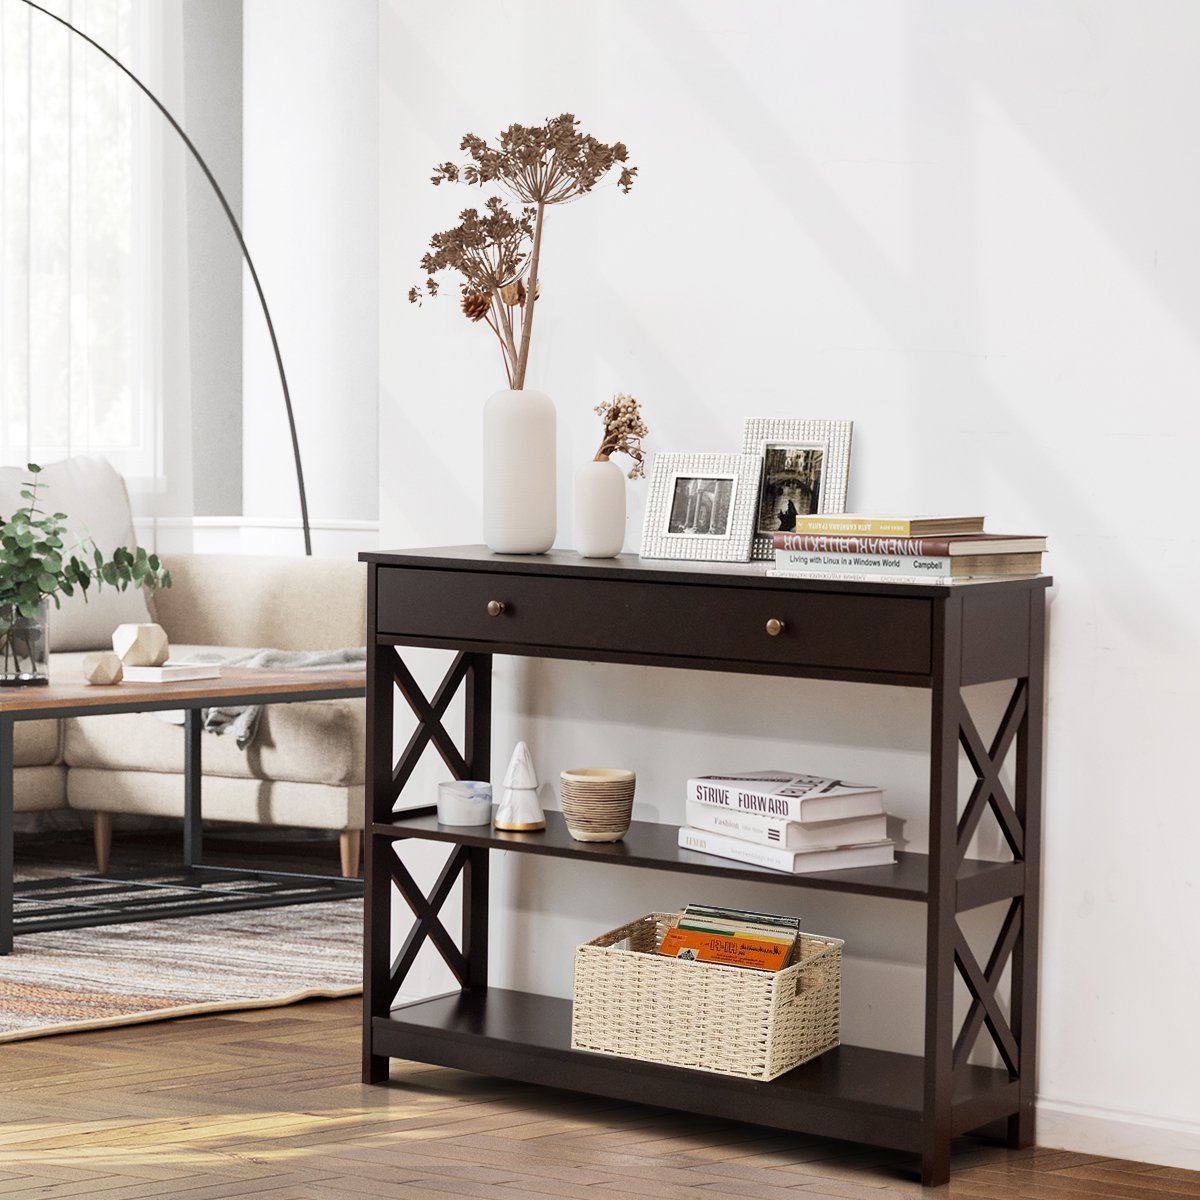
[(141, 645), (519, 808), (102, 667)]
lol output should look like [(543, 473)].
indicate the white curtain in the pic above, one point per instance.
[(93, 347)]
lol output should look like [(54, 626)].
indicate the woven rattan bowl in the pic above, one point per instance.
[(597, 802)]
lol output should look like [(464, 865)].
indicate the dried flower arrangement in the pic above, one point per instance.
[(624, 429), (498, 254)]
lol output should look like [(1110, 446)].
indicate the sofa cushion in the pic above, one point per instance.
[(35, 743), (319, 741), (38, 789), (151, 793), (281, 603), (313, 742), (94, 498)]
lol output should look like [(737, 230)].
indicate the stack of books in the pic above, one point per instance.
[(733, 937), (852, 546), (787, 822)]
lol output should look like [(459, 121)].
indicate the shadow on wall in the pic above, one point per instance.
[(763, 137)]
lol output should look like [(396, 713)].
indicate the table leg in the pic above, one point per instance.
[(193, 836), (7, 770)]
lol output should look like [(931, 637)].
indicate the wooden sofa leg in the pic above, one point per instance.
[(350, 844), (102, 837)]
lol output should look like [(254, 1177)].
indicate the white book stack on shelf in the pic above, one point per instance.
[(787, 822)]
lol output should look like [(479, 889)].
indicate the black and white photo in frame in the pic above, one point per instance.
[(701, 506), (805, 470)]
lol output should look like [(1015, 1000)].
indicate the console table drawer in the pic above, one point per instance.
[(832, 630)]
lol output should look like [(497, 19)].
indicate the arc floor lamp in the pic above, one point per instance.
[(237, 232)]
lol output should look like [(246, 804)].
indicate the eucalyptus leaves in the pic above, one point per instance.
[(498, 253), (37, 563)]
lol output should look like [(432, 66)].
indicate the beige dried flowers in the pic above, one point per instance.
[(498, 254), (623, 432)]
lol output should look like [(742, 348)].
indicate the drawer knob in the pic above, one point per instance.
[(775, 627), (495, 608)]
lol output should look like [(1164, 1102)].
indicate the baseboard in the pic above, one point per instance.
[(1137, 1136)]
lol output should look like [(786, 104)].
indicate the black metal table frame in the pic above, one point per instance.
[(193, 843)]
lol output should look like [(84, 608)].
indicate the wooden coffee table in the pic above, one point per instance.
[(94, 900)]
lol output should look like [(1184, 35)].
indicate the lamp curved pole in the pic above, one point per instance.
[(237, 232)]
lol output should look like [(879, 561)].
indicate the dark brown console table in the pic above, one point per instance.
[(706, 617)]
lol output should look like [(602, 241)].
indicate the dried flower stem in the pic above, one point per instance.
[(505, 338), (531, 291)]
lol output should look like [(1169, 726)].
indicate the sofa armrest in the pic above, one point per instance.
[(255, 601)]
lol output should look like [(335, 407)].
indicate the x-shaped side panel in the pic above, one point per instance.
[(427, 925), (986, 764), (983, 984), (429, 716)]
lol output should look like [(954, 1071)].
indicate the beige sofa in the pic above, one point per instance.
[(305, 767)]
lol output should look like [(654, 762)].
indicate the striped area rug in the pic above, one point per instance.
[(76, 979)]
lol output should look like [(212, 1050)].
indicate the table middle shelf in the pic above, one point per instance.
[(654, 845)]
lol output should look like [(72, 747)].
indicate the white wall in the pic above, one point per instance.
[(311, 216), (971, 229), (211, 38)]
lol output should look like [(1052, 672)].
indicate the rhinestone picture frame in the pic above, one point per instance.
[(701, 507), (805, 460)]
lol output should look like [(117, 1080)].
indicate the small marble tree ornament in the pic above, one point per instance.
[(519, 808), (141, 645), (102, 667)]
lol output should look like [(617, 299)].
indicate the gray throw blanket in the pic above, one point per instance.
[(243, 722)]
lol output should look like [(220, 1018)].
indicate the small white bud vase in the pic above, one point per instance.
[(599, 509), (520, 504)]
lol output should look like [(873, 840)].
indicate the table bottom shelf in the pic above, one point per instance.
[(850, 1092)]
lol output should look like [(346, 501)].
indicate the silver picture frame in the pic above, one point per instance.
[(701, 507), (804, 468)]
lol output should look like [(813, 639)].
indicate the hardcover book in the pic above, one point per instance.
[(926, 547), (849, 523), (171, 670), (791, 835), (786, 795), (862, 577), (732, 949), (796, 862), (803, 562), (710, 912)]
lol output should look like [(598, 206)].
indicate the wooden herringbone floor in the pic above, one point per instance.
[(269, 1104)]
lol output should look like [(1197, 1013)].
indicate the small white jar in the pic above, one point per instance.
[(464, 802)]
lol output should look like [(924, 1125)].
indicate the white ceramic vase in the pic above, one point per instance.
[(519, 493), (599, 509)]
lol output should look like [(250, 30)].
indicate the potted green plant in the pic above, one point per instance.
[(37, 563)]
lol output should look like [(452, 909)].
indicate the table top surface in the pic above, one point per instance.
[(632, 568), (67, 691)]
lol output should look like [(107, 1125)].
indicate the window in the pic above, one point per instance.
[(76, 221)]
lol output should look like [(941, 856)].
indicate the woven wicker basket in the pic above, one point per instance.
[(631, 1001)]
